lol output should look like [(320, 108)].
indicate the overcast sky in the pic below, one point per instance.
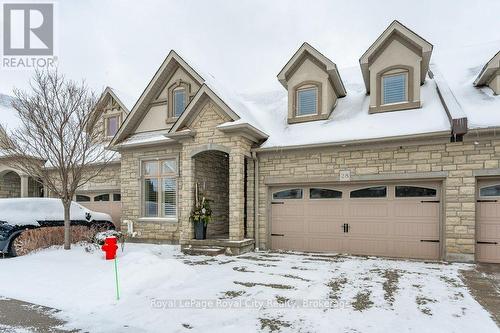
[(243, 43)]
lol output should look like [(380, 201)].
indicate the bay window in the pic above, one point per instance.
[(160, 188)]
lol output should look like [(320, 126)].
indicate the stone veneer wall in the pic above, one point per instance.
[(208, 137), (131, 185), (458, 160), (212, 175), (10, 185)]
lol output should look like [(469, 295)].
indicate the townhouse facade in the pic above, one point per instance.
[(398, 157)]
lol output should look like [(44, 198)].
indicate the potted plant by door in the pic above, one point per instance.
[(201, 215)]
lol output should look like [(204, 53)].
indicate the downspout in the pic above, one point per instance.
[(256, 199)]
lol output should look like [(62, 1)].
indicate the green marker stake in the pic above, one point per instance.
[(116, 279)]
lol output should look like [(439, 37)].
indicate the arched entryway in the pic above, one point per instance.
[(211, 173), (15, 185), (10, 185)]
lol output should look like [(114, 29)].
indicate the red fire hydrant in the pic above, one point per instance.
[(110, 247)]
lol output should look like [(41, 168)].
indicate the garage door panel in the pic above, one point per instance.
[(414, 229), (489, 210), (359, 227), (325, 208), (324, 226), (288, 224), (288, 209), (289, 243), (416, 249), (333, 244), (415, 209), (368, 246), (368, 209)]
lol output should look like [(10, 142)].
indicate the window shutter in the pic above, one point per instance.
[(394, 88), (307, 100)]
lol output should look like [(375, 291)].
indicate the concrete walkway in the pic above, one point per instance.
[(18, 316), (484, 284)]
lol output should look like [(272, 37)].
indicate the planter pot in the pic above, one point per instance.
[(200, 230)]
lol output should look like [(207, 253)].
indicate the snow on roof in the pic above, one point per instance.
[(145, 138), (232, 99), (460, 67), (8, 115), (350, 119)]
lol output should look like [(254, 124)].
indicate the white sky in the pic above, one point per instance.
[(244, 43)]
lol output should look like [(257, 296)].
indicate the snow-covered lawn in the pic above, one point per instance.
[(165, 291)]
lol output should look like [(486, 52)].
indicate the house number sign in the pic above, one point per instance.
[(345, 175)]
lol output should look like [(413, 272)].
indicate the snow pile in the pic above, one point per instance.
[(165, 291)]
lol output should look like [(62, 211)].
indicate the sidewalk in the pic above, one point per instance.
[(18, 316)]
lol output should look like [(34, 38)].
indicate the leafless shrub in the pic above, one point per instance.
[(41, 238)]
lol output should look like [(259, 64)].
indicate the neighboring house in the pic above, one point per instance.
[(103, 192), (13, 183)]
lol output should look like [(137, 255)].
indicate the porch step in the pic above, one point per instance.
[(204, 250)]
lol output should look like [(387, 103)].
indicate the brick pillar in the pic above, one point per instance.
[(236, 194), (186, 198)]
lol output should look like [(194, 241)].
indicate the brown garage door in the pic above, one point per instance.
[(488, 221), (109, 203), (397, 220)]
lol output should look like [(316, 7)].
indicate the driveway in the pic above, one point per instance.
[(163, 290)]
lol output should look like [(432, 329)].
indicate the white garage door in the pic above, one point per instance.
[(397, 220)]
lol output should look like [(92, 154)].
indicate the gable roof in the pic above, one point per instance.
[(489, 69), (227, 100), (169, 65), (396, 30), (111, 93), (329, 66)]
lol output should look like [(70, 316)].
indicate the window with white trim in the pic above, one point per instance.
[(160, 188), (179, 98), (394, 88), (307, 101)]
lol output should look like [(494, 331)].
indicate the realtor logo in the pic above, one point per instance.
[(28, 29)]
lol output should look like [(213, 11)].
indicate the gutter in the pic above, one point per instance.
[(256, 199), (394, 139)]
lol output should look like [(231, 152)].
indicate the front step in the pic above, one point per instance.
[(204, 250)]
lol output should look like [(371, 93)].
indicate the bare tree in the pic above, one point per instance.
[(58, 140)]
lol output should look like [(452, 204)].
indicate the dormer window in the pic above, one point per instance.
[(307, 101), (112, 125), (395, 88), (179, 104)]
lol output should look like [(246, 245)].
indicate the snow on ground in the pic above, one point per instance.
[(165, 291)]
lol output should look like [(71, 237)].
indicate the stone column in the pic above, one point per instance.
[(24, 186), (236, 194), (186, 197)]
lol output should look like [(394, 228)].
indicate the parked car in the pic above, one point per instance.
[(18, 215)]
